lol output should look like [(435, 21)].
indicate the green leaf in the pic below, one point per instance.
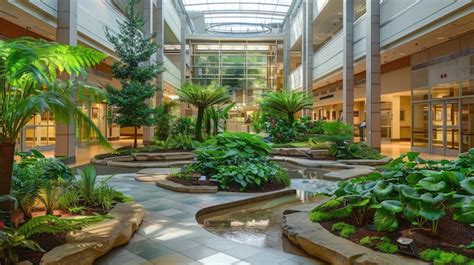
[(431, 184), (430, 199), (393, 206), (383, 189), (385, 220), (431, 214), (468, 185)]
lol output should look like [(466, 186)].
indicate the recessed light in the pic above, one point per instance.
[(402, 53), (440, 38)]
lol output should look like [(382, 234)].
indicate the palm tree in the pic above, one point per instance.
[(203, 98), (29, 86), (215, 114), (286, 103)]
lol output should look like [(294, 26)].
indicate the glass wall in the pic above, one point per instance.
[(247, 68), (39, 133), (442, 101)]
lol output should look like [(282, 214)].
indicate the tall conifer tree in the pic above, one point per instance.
[(134, 71)]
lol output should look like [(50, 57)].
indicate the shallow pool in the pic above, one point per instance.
[(257, 224)]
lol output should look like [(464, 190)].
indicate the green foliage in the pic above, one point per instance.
[(381, 243), (134, 71), (286, 103), (36, 177), (91, 192), (177, 142), (345, 230), (438, 256), (183, 126), (163, 119), (349, 150), (28, 84), (203, 98), (420, 191), (54, 225), (10, 242), (213, 117), (237, 158)]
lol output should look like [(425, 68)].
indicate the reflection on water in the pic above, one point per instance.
[(258, 224)]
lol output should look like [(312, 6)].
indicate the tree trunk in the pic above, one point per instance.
[(199, 119), (291, 118), (216, 127), (7, 151), (135, 137)]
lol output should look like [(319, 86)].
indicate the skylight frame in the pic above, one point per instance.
[(231, 16)]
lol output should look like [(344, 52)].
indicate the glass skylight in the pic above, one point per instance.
[(240, 16)]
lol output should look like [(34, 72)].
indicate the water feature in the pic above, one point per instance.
[(259, 223)]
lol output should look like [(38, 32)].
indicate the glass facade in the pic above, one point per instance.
[(248, 69), (442, 99)]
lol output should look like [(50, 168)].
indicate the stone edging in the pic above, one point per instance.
[(319, 242), (265, 196), (178, 187), (85, 246), (141, 164)]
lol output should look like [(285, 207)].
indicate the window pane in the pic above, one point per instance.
[(420, 84), (420, 125), (467, 125)]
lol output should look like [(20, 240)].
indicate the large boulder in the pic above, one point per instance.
[(85, 246)]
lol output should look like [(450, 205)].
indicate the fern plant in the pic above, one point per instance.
[(50, 224)]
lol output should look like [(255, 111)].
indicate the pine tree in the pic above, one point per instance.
[(134, 71)]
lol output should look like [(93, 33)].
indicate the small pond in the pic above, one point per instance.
[(259, 223)]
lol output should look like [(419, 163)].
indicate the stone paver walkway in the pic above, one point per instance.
[(170, 234)]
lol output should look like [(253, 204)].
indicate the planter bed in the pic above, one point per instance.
[(85, 246), (317, 241)]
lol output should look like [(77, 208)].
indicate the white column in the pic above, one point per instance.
[(372, 67), (348, 62), (148, 131), (307, 41), (66, 33)]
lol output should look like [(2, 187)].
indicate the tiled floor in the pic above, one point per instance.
[(170, 234)]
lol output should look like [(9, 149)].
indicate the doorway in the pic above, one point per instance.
[(445, 127)]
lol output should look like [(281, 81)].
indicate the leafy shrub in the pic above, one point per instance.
[(183, 126), (36, 177), (10, 242), (354, 151), (345, 230), (237, 158), (163, 118), (178, 142), (438, 256), (420, 191)]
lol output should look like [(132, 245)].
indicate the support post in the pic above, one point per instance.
[(160, 54), (348, 63), (66, 33), (372, 90), (148, 131), (307, 46)]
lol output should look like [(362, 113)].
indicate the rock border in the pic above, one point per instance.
[(223, 206), (147, 160), (178, 187), (85, 246), (314, 239)]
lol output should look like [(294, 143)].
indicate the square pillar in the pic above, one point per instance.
[(66, 33), (372, 67), (148, 131), (307, 41), (348, 63)]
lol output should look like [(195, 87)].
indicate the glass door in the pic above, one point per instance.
[(444, 138)]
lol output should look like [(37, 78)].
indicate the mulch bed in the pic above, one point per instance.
[(269, 186), (46, 241), (450, 234)]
